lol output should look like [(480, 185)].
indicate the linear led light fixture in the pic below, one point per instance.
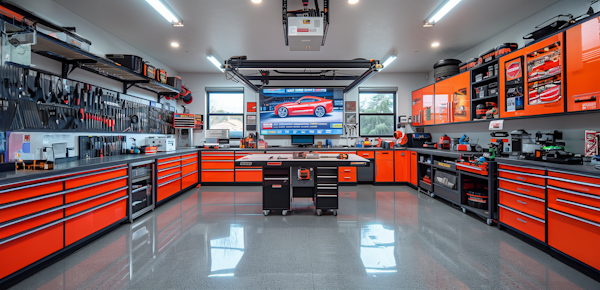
[(166, 12), (215, 60), (388, 60), (439, 12)]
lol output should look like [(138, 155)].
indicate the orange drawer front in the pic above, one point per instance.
[(189, 180), (168, 164), (521, 202), (189, 168), (96, 201), (366, 154), (523, 169), (189, 161), (217, 175), (583, 205), (23, 208), (168, 188), (169, 177), (26, 224), (221, 164), (167, 171), (28, 191), (384, 155), (93, 221), (248, 175), (574, 182), (163, 160), (525, 223), (522, 187), (523, 177), (217, 156), (91, 190), (347, 177), (346, 170), (189, 155), (18, 254), (95, 177), (575, 237)]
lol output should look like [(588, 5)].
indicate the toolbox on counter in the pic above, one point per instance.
[(132, 62)]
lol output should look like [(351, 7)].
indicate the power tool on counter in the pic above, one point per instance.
[(553, 150), (463, 143), (444, 142), (498, 146)]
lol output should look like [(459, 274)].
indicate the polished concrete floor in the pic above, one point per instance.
[(384, 237)]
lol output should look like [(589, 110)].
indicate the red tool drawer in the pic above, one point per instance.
[(526, 223), (168, 188), (94, 220), (583, 205), (574, 236), (27, 207), (574, 182), (366, 154), (185, 169), (347, 177), (521, 202), (523, 177), (27, 223), (167, 171), (217, 164), (248, 174), (168, 164), (217, 175), (94, 189), (522, 187), (95, 177), (95, 201), (31, 190), (523, 169), (189, 180)]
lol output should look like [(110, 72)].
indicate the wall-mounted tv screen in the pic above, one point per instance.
[(301, 111)]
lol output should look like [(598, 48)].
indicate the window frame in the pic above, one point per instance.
[(393, 114), (209, 114)]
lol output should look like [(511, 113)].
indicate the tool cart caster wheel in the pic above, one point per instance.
[(319, 212), (284, 212), (489, 222), (266, 212), (464, 210), (335, 212), (432, 194)]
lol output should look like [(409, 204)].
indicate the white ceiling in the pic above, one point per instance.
[(371, 29)]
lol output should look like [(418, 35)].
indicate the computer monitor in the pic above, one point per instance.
[(303, 140)]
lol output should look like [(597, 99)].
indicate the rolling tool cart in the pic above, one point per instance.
[(327, 190), (276, 190)]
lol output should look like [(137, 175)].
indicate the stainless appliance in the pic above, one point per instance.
[(162, 144), (185, 138)]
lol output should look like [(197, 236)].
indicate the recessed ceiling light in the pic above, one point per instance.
[(435, 44), (174, 44), (352, 1), (256, 1)]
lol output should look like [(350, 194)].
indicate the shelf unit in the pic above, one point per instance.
[(142, 188), (483, 69), (72, 57)]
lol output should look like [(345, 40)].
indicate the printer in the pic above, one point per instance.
[(162, 143)]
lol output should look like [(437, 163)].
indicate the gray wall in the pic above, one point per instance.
[(573, 126)]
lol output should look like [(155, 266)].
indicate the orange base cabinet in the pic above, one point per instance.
[(248, 175), (189, 180), (413, 168), (84, 225), (384, 166), (218, 175), (347, 174), (19, 253), (402, 166), (168, 188), (574, 236)]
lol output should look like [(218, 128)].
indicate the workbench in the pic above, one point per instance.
[(278, 184)]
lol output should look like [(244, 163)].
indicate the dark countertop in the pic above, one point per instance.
[(292, 148), (84, 165)]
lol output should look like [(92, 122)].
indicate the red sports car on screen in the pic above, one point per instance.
[(308, 105)]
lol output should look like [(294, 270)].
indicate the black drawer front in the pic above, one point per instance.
[(365, 173), (276, 194), (322, 179), (327, 201), (333, 171), (276, 171)]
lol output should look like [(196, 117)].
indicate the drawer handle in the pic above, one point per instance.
[(169, 175), (574, 192), (193, 172), (522, 213), (522, 173), (365, 154), (521, 195), (520, 201), (521, 178), (574, 217), (522, 220), (276, 186), (523, 189), (534, 168), (346, 177), (276, 178), (578, 204), (518, 182), (170, 161), (169, 168), (327, 195), (346, 170), (575, 182), (170, 181)]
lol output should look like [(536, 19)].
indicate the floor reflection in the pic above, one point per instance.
[(383, 237)]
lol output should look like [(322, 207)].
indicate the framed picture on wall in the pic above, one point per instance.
[(350, 118), (350, 106)]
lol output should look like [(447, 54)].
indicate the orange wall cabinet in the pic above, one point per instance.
[(442, 100), (384, 166), (417, 107), (413, 168), (460, 110), (532, 79), (402, 166), (583, 55), (428, 105)]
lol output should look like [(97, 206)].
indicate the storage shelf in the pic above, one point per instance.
[(485, 80), (424, 163), (60, 51), (484, 65), (485, 98)]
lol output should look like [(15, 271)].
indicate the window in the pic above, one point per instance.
[(377, 112), (226, 111)]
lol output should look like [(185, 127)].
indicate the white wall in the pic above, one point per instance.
[(404, 81), (573, 126)]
